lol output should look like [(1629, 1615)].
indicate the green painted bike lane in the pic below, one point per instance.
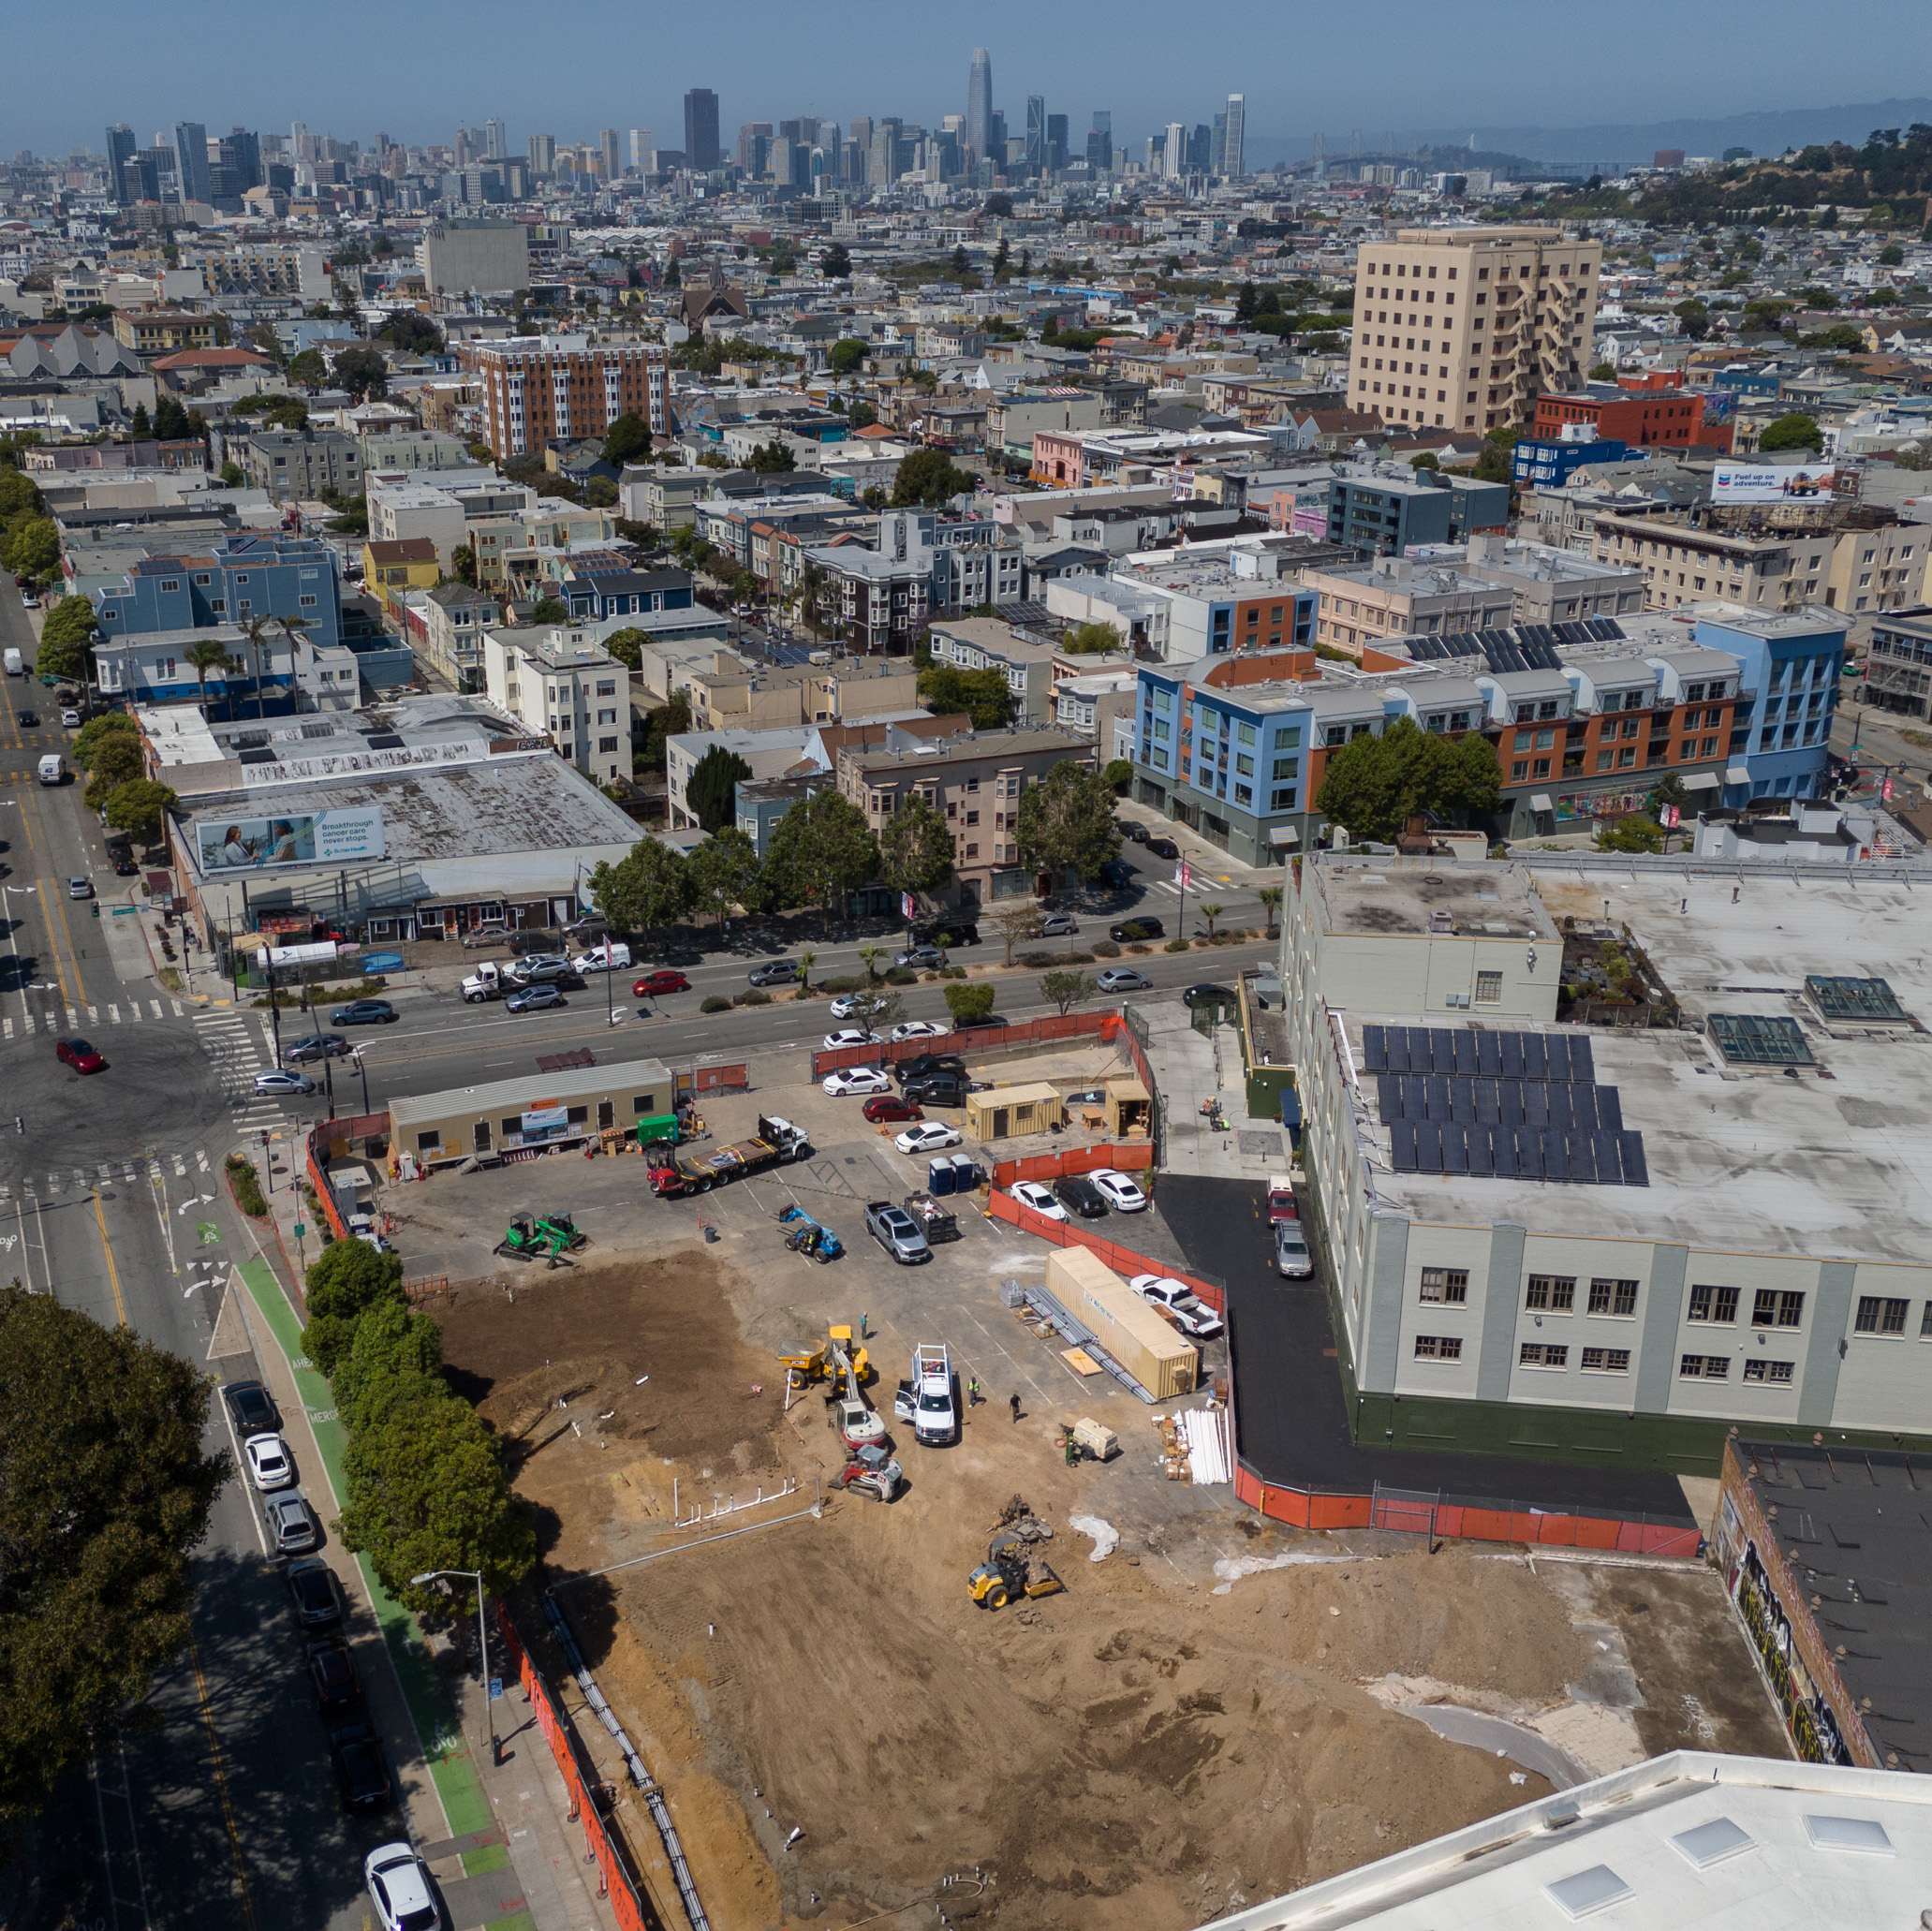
[(444, 1749)]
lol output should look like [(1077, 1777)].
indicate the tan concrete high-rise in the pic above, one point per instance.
[(1464, 327)]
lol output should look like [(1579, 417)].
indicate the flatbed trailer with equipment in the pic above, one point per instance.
[(674, 1174)]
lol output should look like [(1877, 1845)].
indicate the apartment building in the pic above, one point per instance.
[(1899, 668), (391, 568), (1876, 567), (1685, 562), (1221, 598), (1464, 327), (1551, 587), (242, 576), (449, 625), (537, 388), (974, 781), (514, 549), (161, 331), (732, 698), (562, 682), (1403, 596), (292, 465), (1386, 509), (1657, 413)]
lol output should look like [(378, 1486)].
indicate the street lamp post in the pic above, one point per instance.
[(363, 1068), (482, 1639)]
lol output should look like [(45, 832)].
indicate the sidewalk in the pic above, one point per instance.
[(496, 1836), (1190, 1068)]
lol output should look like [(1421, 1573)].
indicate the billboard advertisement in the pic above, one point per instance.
[(1772, 482), (318, 838)]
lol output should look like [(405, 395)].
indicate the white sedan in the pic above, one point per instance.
[(848, 1003), (1030, 1193), (919, 1030), (930, 1136), (856, 1079), (1120, 1193), (268, 1466), (1192, 1316), (848, 1035)]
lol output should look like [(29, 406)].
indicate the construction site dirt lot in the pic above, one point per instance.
[(1216, 1711)]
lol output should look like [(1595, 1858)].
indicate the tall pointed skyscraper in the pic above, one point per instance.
[(979, 104), (1233, 159)]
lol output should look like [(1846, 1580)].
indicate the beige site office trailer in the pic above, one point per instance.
[(559, 1108), (1158, 1358), (1008, 1113)]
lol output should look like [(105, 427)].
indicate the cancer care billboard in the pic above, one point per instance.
[(318, 838), (1772, 482)]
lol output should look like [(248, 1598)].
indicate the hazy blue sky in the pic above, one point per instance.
[(417, 72)]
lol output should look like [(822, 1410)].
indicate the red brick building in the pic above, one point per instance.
[(539, 386), (1658, 411)]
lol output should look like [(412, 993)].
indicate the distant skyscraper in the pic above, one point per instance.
[(543, 155), (122, 179), (496, 144), (754, 145), (1174, 151), (1232, 159), (979, 115), (640, 150), (1055, 142), (1036, 130), (701, 153), (612, 154), (1099, 142), (191, 161)]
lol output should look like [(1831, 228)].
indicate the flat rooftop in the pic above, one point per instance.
[(1830, 1161), (1856, 1531), (1398, 897)]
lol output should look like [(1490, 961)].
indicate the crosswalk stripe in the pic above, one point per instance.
[(93, 1014), (201, 1162), (7, 1025), (180, 1168), (114, 1014), (156, 1005), (73, 1020), (178, 1009)]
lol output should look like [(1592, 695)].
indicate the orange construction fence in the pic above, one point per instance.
[(981, 1039), (1133, 1155), (1069, 1233), (630, 1901)]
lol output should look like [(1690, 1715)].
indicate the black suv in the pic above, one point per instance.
[(1081, 1197), (926, 1064), (937, 1089), (958, 931), (1131, 930)]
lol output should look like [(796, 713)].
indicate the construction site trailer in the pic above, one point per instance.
[(1153, 1353), (1008, 1111), (1129, 1109), (513, 1116)]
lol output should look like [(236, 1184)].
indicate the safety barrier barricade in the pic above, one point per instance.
[(1123, 1261), (979, 1038), (1133, 1156)]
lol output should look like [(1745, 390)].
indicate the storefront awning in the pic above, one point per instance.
[(1542, 802), (1284, 834), (1701, 781), (1737, 775)]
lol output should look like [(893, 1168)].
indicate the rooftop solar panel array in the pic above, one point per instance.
[(1504, 1104), (1522, 647)]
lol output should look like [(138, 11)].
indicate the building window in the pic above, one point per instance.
[(1542, 1354), (1606, 1360), (1879, 1316), (1439, 1346), (1489, 989), (1778, 1372), (1282, 800), (1552, 1292), (1716, 1304), (1705, 1367), (1780, 1308), (1612, 1297), (1446, 1284)]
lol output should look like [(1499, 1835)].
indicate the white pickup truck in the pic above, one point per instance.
[(925, 1402)]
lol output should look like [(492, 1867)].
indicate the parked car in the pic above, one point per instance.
[(362, 1771), (1123, 979), (952, 932), (613, 955), (929, 1136), (993, 1020), (316, 1046), (936, 1089), (1030, 1193), (269, 1464), (363, 1012), (1162, 847), (896, 1230), (315, 1593), (78, 1055), (332, 1679), (848, 1035), (81, 888), (923, 1064), (26, 719), (1120, 1193), (251, 1408), (1291, 1255), (398, 1887), (1059, 925), (1115, 875), (290, 1525), (856, 1079), (1191, 1315), (1132, 931), (280, 1079), (1206, 996), (1132, 828), (917, 1029), (1077, 1192), (889, 1106), (927, 958), (775, 972), (535, 998), (654, 985), (1281, 1200), (124, 866)]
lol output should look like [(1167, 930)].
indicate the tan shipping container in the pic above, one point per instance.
[(1158, 1358), (1007, 1112)]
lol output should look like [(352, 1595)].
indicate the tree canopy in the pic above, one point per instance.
[(349, 1278), (1091, 640), (31, 547), (723, 871), (927, 478), (646, 891), (1067, 821), (772, 458), (627, 646), (628, 439), (1374, 784), (412, 333), (915, 850), (712, 790), (99, 733), (106, 1490), (821, 852), (836, 263), (138, 807), (1795, 431), (984, 696), (845, 357), (362, 371)]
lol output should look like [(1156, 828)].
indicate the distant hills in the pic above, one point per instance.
[(1767, 133)]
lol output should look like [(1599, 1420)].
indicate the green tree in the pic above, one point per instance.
[(1603, 372), (646, 891), (846, 356), (412, 333), (1269, 896), (139, 427), (116, 759), (927, 478), (836, 263), (821, 852), (1066, 822), (17, 494), (1091, 640), (1891, 254), (345, 1281), (31, 547), (99, 733), (1002, 258), (69, 620), (1427, 459), (862, 415), (712, 790), (549, 610), (1117, 775), (396, 1356), (106, 1494), (1492, 464), (984, 696), (1795, 431), (1634, 832), (362, 371), (957, 265), (627, 440), (172, 422), (208, 654), (1694, 319), (999, 207), (627, 646), (771, 459), (464, 560), (915, 850), (723, 873), (308, 369), (968, 1002), (233, 476), (1375, 784), (1210, 913), (1066, 990)]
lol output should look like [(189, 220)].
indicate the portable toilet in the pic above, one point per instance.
[(965, 1174), (939, 1176)]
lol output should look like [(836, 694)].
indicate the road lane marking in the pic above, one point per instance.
[(114, 1014), (26, 825), (93, 1015), (221, 1781), (100, 1220)]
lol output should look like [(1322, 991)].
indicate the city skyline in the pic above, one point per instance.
[(1299, 74)]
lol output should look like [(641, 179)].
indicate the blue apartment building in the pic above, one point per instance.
[(1789, 666), (1548, 465), (243, 576)]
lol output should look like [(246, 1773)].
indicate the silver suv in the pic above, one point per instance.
[(1291, 1255)]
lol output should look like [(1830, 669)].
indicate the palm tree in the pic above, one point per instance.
[(295, 630), (871, 955), (208, 654), (256, 629), (1210, 913), (1269, 896), (806, 960)]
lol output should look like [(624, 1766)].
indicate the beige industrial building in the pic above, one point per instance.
[(1464, 327), (546, 1110)]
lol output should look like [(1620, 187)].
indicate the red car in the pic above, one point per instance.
[(654, 984), (889, 1106), (78, 1055)]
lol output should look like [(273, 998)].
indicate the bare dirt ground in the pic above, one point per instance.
[(1149, 1749)]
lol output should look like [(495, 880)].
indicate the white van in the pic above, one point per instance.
[(53, 769), (15, 668)]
